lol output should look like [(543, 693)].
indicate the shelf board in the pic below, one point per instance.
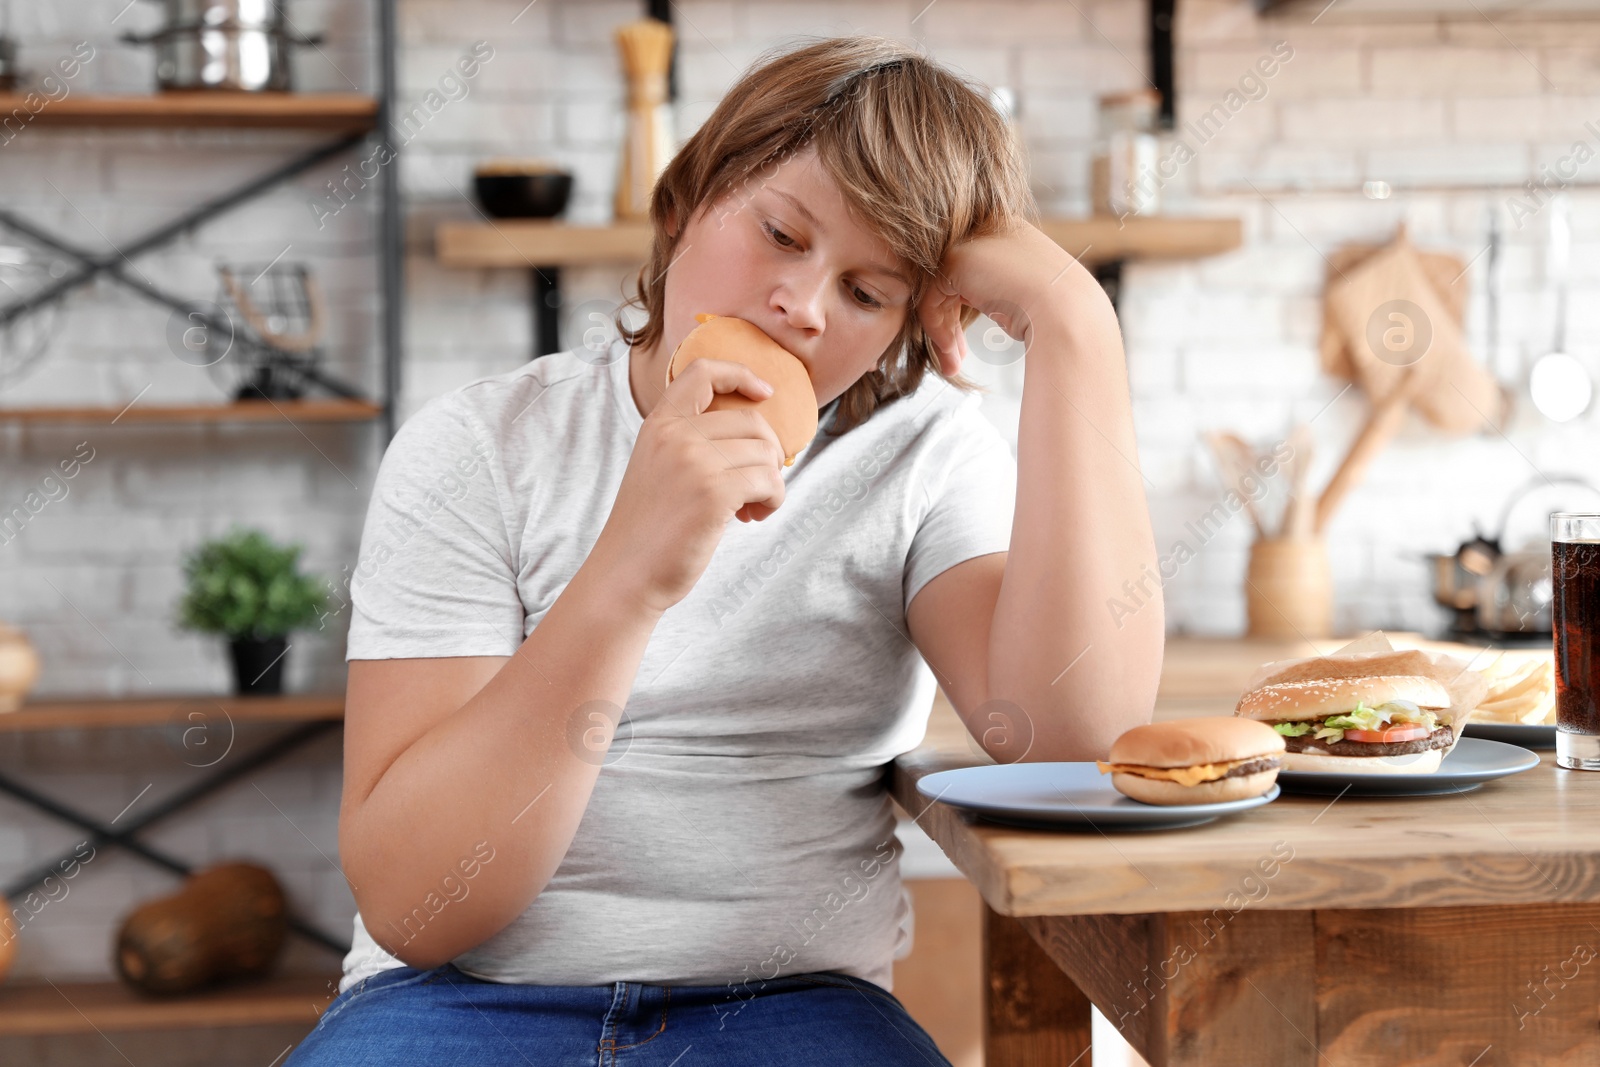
[(539, 242), (348, 112), (40, 1009), (1104, 238), (336, 410), (100, 713)]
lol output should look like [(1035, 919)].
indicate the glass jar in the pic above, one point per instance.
[(1124, 180)]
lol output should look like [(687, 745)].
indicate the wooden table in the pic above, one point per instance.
[(1457, 930)]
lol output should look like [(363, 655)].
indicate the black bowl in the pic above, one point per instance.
[(524, 196)]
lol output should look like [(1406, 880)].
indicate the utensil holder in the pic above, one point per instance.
[(1289, 589)]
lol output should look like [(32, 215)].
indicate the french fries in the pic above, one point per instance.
[(1522, 689)]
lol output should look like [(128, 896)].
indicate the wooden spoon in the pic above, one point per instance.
[(1299, 514)]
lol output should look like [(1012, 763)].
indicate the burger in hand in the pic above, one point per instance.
[(1374, 724), (1195, 761), (791, 410)]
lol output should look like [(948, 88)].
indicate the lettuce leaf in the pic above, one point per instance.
[(1361, 717)]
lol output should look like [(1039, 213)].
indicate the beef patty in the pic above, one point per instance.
[(1440, 738), (1255, 766)]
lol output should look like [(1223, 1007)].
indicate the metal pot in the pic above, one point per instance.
[(1497, 591), (241, 14), (239, 45), (1456, 576), (1514, 597)]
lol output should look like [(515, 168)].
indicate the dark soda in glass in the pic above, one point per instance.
[(1575, 620)]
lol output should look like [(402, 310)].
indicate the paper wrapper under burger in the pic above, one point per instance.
[(1373, 654)]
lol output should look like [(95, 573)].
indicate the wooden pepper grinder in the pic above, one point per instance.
[(646, 47), (226, 922)]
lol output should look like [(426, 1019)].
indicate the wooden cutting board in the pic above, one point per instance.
[(1457, 394)]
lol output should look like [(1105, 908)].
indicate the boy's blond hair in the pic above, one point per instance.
[(920, 155)]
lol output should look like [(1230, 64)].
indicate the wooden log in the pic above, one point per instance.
[(1033, 1015), (225, 923)]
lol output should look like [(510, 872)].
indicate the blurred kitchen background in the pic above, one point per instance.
[(1306, 156)]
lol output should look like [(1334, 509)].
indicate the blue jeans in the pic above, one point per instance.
[(444, 1018)]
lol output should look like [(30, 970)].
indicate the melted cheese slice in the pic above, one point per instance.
[(1200, 772)]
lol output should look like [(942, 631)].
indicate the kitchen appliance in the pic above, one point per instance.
[(237, 45), (1505, 594), (1514, 597), (1455, 578)]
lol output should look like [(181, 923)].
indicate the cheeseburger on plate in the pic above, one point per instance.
[(1194, 761), (1376, 712)]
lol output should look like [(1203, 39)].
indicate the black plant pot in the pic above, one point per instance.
[(258, 665)]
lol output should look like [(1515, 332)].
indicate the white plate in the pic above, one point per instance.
[(1065, 796), (1471, 763), (1513, 733)]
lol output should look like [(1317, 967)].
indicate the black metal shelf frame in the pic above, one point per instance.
[(390, 245)]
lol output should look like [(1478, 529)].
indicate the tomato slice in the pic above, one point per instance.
[(1400, 731)]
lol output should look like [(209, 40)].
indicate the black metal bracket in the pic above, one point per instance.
[(547, 302), (1109, 275), (662, 9), (125, 838), (1162, 13)]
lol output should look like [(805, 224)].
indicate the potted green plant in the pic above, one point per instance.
[(249, 590)]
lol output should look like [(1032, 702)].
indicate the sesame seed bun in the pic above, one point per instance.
[(1305, 701), (791, 410), (1186, 742), (1348, 665)]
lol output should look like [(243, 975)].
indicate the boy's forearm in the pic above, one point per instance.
[(509, 775), (1081, 672)]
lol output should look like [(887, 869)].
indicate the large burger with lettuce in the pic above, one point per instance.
[(1387, 722), (1386, 713)]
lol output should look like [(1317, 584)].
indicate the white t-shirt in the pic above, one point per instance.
[(740, 827)]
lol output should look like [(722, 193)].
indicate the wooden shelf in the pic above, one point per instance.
[(337, 410), (35, 1010), (349, 112), (1103, 238), (100, 713), (531, 242)]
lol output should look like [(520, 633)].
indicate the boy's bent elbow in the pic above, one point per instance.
[(427, 934)]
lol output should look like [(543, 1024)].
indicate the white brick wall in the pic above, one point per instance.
[(1226, 343)]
